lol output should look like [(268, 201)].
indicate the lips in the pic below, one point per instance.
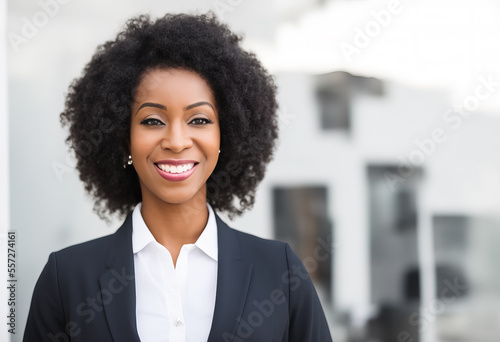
[(175, 170)]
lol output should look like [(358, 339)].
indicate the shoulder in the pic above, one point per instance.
[(91, 248), (251, 241), (268, 253), (91, 257), (81, 261), (98, 249)]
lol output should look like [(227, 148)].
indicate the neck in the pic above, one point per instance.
[(175, 224)]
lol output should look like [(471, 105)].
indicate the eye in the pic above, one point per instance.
[(151, 122), (200, 121)]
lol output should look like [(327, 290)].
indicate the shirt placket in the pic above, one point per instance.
[(177, 331)]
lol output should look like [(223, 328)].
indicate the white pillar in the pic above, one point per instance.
[(425, 238), (4, 173)]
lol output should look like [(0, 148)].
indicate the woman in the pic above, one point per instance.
[(171, 122)]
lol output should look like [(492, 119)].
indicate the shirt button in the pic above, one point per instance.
[(178, 322)]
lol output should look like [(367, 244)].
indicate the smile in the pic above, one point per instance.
[(176, 173), (175, 168)]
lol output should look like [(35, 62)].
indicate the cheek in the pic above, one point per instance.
[(209, 143), (215, 155), (214, 142), (142, 143)]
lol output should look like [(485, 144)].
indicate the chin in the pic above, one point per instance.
[(177, 197)]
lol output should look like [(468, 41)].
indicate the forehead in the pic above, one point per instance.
[(173, 82)]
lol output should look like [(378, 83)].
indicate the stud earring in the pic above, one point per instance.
[(219, 151), (129, 161)]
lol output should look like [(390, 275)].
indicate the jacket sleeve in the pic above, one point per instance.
[(46, 320), (307, 319)]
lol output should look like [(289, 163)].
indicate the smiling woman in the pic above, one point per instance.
[(174, 147), (193, 126)]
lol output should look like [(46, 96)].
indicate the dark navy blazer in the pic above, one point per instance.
[(86, 292)]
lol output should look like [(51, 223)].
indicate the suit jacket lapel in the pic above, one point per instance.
[(118, 286), (233, 280)]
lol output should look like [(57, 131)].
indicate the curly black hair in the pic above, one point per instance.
[(98, 105)]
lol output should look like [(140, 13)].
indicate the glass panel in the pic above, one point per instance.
[(395, 278), (467, 252), (301, 219)]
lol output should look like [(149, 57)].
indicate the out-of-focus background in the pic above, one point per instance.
[(386, 180)]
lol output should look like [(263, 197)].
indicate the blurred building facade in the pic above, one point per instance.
[(412, 228)]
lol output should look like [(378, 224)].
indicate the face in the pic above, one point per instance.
[(174, 136)]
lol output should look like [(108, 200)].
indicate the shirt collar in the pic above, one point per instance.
[(141, 235)]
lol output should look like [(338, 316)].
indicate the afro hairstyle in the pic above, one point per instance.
[(98, 104)]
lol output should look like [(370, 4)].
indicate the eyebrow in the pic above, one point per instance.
[(197, 104), (191, 106), (151, 104)]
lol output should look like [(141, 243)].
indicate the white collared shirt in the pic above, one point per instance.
[(174, 304)]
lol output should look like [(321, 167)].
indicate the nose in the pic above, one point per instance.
[(176, 138)]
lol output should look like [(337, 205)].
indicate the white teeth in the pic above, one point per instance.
[(176, 169)]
